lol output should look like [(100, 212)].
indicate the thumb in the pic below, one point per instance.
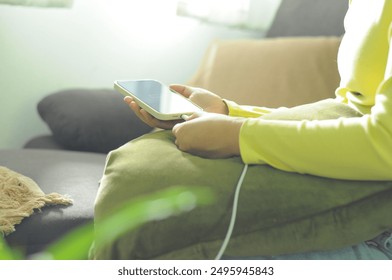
[(184, 90), (191, 117)]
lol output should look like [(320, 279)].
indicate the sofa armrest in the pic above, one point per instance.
[(271, 72)]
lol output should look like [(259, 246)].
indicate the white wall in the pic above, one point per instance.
[(90, 45)]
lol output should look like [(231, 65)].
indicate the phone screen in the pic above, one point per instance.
[(158, 96)]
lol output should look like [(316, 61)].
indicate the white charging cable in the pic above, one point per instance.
[(233, 214)]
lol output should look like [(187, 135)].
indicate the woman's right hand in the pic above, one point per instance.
[(208, 101), (205, 99)]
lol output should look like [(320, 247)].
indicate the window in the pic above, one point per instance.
[(39, 3), (250, 14)]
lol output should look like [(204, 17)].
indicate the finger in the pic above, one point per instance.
[(154, 122), (185, 117), (149, 119), (135, 108), (128, 99), (175, 129), (185, 91), (195, 115), (131, 103)]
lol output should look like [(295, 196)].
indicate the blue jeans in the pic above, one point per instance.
[(379, 248)]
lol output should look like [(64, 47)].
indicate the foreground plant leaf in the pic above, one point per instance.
[(160, 205)]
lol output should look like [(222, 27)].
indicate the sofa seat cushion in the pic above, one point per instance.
[(278, 212), (76, 174), (43, 142)]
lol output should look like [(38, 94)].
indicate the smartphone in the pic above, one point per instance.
[(157, 99)]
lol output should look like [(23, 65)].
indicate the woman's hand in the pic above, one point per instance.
[(147, 118), (205, 99), (209, 135), (208, 101)]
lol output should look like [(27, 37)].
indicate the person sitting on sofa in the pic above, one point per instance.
[(342, 148)]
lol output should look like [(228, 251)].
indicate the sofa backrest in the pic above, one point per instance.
[(295, 65), (309, 18)]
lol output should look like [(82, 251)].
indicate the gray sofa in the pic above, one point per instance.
[(71, 159)]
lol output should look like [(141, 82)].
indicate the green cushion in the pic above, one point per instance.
[(278, 212)]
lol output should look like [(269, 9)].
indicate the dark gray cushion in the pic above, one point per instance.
[(74, 173), (90, 120), (309, 18)]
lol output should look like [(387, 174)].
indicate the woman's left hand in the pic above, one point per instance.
[(209, 135)]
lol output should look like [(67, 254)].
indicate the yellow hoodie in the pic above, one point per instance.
[(345, 148)]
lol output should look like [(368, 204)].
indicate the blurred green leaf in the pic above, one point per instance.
[(6, 253), (157, 206)]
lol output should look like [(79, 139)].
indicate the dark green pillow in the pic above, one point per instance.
[(278, 213)]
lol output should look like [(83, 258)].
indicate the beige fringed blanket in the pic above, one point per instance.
[(19, 197)]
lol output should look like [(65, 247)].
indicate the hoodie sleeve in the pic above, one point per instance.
[(344, 148)]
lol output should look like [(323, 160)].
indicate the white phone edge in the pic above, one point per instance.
[(153, 112)]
